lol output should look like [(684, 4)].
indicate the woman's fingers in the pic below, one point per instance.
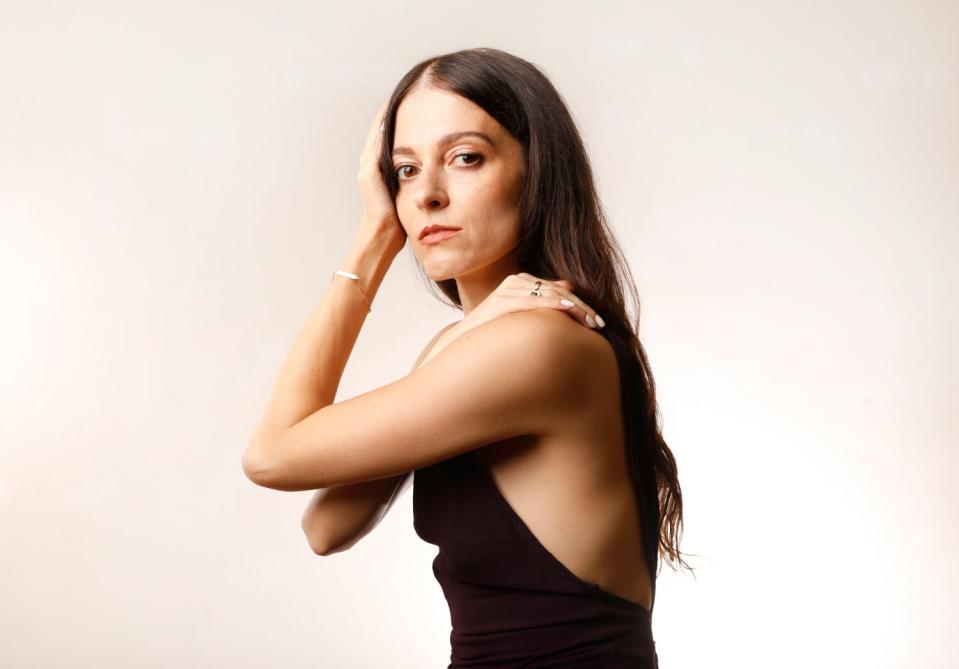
[(573, 304), (559, 292), (371, 148), (379, 211)]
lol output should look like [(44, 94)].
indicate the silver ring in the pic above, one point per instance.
[(535, 290)]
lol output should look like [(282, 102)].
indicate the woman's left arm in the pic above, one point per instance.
[(523, 373), (314, 366)]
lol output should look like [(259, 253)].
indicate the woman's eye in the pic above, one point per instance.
[(468, 155), (472, 159)]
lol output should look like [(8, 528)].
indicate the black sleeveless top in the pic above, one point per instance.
[(512, 602)]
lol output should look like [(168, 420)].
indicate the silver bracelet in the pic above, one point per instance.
[(356, 279)]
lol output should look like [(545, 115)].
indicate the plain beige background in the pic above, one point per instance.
[(177, 184)]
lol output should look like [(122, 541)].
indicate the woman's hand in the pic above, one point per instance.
[(513, 294), (380, 219)]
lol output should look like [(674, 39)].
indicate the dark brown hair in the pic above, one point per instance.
[(563, 234)]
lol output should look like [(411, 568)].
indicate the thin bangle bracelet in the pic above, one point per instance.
[(356, 279)]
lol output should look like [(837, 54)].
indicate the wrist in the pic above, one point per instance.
[(386, 234), (369, 257)]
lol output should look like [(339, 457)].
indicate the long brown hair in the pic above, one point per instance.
[(563, 233)]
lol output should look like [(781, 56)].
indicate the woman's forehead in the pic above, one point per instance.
[(429, 116)]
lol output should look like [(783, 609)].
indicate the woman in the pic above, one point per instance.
[(530, 425)]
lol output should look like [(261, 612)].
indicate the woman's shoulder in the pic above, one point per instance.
[(551, 345), (585, 351), (559, 327)]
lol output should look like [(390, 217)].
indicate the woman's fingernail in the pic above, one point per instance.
[(589, 319), (599, 319), (567, 303)]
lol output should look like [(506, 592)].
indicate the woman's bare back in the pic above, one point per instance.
[(572, 488)]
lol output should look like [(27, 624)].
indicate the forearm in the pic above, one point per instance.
[(312, 370), (338, 517)]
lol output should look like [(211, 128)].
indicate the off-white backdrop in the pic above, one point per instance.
[(178, 182)]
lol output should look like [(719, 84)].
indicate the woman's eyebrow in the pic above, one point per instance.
[(446, 139)]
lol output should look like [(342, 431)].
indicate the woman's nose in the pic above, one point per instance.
[(431, 191)]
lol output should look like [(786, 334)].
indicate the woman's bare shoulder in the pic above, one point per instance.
[(578, 348), (585, 353), (597, 357), (555, 323)]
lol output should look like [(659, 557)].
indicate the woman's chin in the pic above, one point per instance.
[(441, 271)]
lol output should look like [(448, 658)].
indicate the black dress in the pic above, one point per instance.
[(512, 603)]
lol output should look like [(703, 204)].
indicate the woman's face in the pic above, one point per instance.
[(458, 180)]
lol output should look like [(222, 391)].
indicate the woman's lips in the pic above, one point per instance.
[(438, 236)]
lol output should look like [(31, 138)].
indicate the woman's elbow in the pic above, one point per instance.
[(255, 468), (316, 540)]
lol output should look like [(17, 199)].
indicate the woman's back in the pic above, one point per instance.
[(541, 554)]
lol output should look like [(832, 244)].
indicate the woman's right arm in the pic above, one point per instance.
[(336, 518)]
